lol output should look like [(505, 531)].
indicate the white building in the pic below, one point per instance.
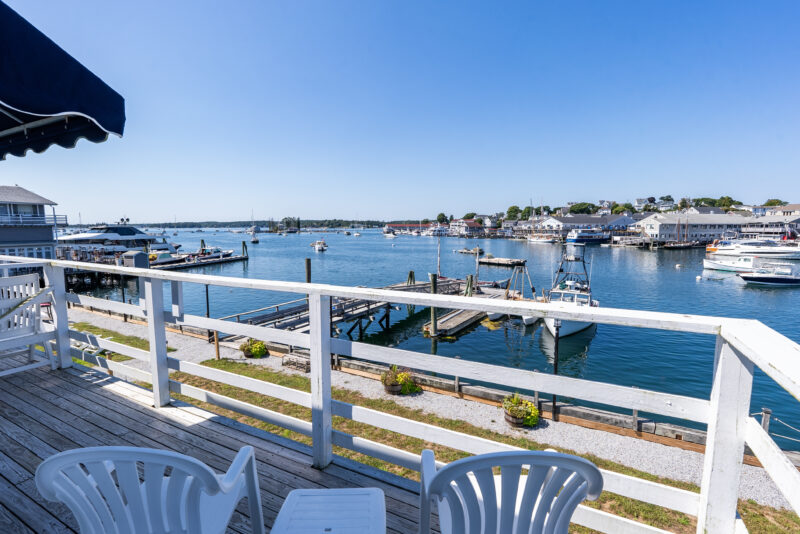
[(663, 227), (640, 204), (605, 222), (787, 210)]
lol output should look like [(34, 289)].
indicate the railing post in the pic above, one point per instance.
[(154, 306), (176, 289), (722, 466), (54, 277), (320, 331)]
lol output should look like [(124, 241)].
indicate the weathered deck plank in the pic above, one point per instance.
[(43, 412)]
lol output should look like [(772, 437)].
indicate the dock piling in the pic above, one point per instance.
[(557, 324), (433, 330), (766, 413)]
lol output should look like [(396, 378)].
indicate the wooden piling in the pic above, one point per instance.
[(433, 330), (308, 270), (216, 343)]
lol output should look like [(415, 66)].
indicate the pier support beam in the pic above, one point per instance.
[(321, 419)]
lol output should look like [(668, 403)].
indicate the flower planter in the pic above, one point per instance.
[(393, 389), (514, 421), (247, 354)]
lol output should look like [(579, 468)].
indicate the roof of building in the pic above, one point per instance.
[(771, 219), (698, 218), (708, 209), (787, 207), (17, 195), (589, 219)]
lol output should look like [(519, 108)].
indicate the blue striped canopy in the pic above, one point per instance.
[(46, 96)]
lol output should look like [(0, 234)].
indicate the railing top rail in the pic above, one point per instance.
[(776, 355)]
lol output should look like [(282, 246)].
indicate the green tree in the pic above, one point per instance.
[(470, 215), (441, 218), (617, 209), (451, 217), (583, 207), (425, 221), (685, 203), (775, 202), (538, 211), (705, 201), (526, 213), (512, 212), (666, 198), (727, 202)]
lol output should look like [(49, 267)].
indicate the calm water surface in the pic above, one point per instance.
[(664, 281)]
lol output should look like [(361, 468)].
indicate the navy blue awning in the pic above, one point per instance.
[(46, 96)]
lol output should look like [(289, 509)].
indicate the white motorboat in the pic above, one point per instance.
[(742, 264), (572, 288), (357, 234), (319, 246), (754, 247), (773, 274), (542, 239), (389, 235)]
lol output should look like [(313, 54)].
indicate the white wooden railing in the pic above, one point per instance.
[(741, 345)]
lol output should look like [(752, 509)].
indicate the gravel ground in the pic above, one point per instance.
[(653, 458)]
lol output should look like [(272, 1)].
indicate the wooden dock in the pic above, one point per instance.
[(503, 262), (294, 316), (43, 412)]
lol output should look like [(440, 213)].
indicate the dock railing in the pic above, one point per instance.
[(741, 345)]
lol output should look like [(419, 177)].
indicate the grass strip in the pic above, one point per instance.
[(112, 335)]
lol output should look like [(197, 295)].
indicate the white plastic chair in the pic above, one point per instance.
[(136, 490), (472, 499)]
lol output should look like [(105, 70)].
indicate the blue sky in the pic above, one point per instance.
[(405, 109)]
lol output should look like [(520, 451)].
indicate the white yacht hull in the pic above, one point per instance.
[(567, 327), (528, 320)]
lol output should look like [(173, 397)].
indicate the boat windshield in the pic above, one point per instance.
[(569, 296)]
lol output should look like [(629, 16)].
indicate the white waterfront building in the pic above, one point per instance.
[(705, 228)]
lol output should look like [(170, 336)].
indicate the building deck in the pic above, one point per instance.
[(43, 412)]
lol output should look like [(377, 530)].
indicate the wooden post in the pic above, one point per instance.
[(216, 344), (308, 270), (730, 403), (154, 306), (122, 286), (766, 413), (321, 422), (54, 277), (434, 331), (557, 324)]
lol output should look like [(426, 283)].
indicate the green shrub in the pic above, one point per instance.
[(254, 347)]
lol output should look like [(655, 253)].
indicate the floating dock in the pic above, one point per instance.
[(454, 322), (502, 262), (199, 262)]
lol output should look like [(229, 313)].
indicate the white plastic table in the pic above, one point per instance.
[(332, 511)]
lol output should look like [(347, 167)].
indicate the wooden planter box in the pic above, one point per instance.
[(514, 421), (393, 389)]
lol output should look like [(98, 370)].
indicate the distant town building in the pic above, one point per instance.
[(665, 205), (606, 203), (489, 221), (570, 222), (25, 228), (772, 226), (787, 210), (465, 228), (640, 203), (663, 227)]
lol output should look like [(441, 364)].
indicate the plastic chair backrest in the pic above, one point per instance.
[(478, 502), (17, 318), (128, 489)]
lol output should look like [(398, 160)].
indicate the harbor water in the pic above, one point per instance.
[(664, 281)]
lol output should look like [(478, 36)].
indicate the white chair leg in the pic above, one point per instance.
[(254, 499), (48, 350), (31, 349)]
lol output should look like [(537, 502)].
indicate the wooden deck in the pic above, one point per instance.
[(43, 412)]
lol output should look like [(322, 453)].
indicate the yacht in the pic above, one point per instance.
[(773, 274), (109, 239), (588, 235), (320, 246), (754, 247), (436, 230), (572, 288)]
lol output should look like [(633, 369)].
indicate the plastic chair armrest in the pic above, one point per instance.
[(237, 468)]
